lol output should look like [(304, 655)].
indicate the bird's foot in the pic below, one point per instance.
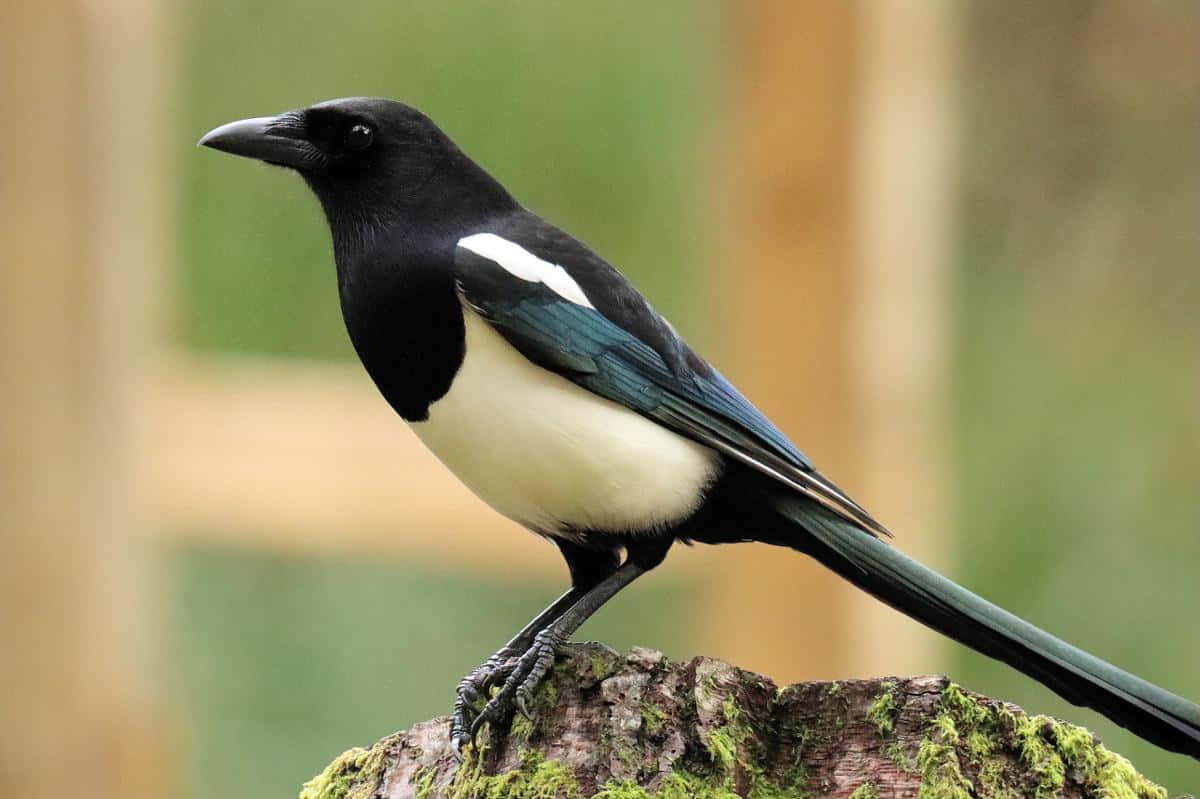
[(521, 675), (477, 684)]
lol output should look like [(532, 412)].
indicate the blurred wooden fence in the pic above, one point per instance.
[(81, 210), (832, 271)]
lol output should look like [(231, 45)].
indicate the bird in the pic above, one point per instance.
[(536, 372)]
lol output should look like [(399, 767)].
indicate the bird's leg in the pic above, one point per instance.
[(588, 567), (531, 667), (499, 665)]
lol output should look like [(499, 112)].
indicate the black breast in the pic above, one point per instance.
[(406, 324)]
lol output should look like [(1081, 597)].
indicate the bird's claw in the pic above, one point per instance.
[(521, 678), (544, 651), (523, 705), (476, 684), (457, 739)]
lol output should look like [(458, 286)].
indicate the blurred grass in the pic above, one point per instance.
[(278, 664), (1078, 366)]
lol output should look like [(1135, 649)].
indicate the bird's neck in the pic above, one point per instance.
[(396, 278), (456, 195), (405, 322)]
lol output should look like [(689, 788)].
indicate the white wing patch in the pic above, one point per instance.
[(520, 262)]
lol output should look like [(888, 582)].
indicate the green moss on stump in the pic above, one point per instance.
[(536, 778), (882, 712), (652, 718), (354, 774), (423, 782), (977, 734), (733, 749), (677, 785), (743, 738), (603, 664)]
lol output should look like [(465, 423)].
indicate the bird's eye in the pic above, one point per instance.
[(359, 137)]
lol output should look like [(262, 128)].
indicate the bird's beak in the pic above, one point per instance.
[(277, 140)]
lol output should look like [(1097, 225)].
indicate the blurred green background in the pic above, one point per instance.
[(1077, 374), (1076, 339), (596, 116)]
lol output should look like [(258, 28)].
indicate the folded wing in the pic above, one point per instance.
[(626, 353)]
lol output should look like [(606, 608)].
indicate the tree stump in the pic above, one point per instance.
[(640, 726)]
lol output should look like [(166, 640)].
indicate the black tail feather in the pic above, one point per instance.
[(1159, 716)]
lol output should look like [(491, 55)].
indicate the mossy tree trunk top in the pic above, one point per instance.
[(641, 726)]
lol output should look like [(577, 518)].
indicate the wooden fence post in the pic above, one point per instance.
[(79, 216), (836, 305)]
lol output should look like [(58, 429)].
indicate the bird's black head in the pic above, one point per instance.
[(373, 163)]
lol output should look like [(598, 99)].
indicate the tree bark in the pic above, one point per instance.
[(633, 726)]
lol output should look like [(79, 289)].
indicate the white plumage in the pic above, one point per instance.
[(520, 262), (553, 456)]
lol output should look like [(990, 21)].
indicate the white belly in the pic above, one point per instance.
[(553, 456)]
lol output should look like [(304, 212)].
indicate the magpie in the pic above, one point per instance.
[(550, 387)]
